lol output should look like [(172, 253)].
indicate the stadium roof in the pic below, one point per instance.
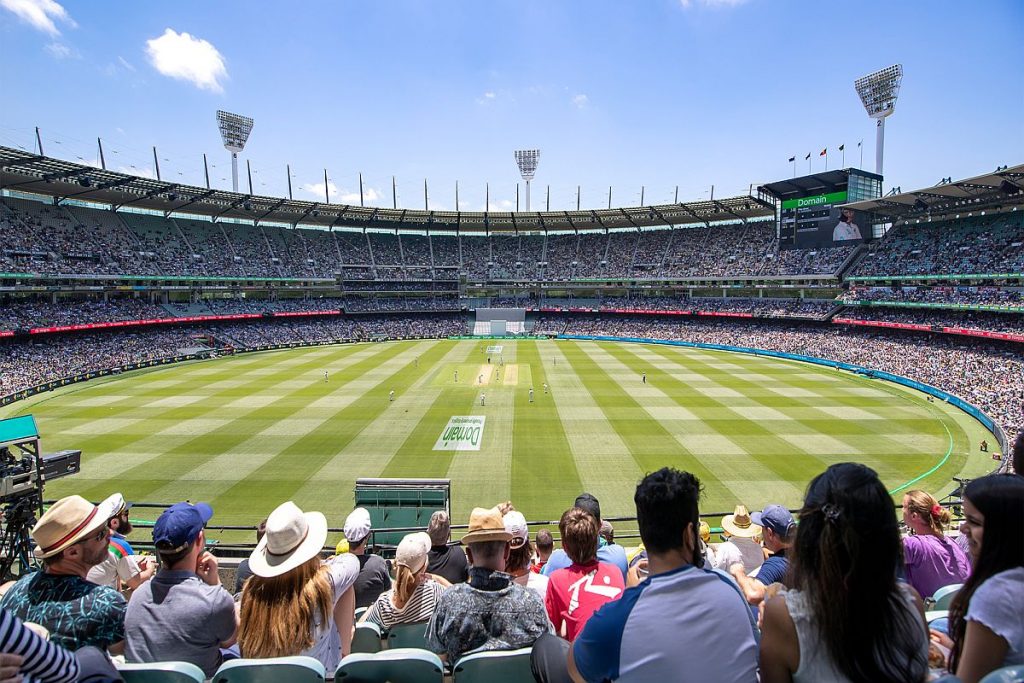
[(995, 191), (821, 183), (28, 172)]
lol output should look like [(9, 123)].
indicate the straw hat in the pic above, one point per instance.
[(486, 525), (68, 521), (740, 524), (293, 537)]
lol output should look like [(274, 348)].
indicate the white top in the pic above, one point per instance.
[(744, 550), (107, 572), (999, 604), (536, 581), (815, 664), (845, 231), (326, 642)]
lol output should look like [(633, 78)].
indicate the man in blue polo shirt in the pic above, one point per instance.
[(778, 532), (683, 623), (610, 553)]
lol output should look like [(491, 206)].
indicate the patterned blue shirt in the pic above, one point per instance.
[(488, 613), (76, 613)]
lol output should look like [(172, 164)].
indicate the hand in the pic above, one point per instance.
[(10, 666), (207, 568), (940, 638)]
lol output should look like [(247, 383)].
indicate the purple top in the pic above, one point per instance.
[(934, 562)]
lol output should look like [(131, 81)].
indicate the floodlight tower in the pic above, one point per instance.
[(234, 131), (878, 93), (527, 160)]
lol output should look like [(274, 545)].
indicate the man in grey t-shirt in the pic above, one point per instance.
[(183, 614)]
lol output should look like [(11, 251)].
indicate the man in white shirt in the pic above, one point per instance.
[(846, 229)]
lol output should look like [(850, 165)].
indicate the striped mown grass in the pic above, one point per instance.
[(250, 431)]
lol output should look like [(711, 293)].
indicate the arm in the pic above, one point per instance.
[(983, 652), (344, 618), (116, 648), (780, 649), (753, 589), (25, 652), (440, 580), (146, 571)]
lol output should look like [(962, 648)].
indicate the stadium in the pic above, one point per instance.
[(173, 339)]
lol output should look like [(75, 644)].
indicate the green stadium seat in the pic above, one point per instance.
[(401, 665), (161, 672), (367, 638), (943, 597), (1007, 674), (507, 666), (408, 635), (273, 670)]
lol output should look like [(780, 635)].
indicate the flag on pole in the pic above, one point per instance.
[(858, 144), (842, 147), (823, 152), (807, 157), (792, 158)]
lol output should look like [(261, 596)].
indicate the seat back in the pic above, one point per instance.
[(943, 597), (408, 635), (494, 665), (367, 638), (400, 665), (272, 670), (162, 672), (1007, 674)]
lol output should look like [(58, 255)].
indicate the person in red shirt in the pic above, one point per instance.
[(576, 592), (545, 546)]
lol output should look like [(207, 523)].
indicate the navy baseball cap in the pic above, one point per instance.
[(776, 518), (180, 525)]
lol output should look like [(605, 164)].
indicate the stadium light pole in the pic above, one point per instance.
[(527, 160), (234, 131), (878, 92)]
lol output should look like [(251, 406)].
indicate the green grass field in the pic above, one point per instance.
[(248, 432)]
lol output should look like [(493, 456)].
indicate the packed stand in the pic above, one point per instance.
[(22, 314), (1009, 323), (940, 296), (984, 244)]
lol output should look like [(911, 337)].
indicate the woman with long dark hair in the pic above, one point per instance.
[(986, 619), (846, 617)]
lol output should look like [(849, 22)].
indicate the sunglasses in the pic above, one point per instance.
[(101, 534)]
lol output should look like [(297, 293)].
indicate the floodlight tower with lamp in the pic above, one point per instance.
[(527, 160), (234, 131), (878, 92)]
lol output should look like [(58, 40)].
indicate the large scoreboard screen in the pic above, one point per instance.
[(817, 221)]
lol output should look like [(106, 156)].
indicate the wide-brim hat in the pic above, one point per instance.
[(68, 521), (740, 524), (293, 537), (486, 525)]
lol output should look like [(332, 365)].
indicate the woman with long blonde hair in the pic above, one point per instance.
[(930, 559), (294, 603), (414, 594)]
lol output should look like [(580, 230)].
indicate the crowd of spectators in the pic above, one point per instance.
[(1011, 323), (989, 376), (941, 296), (807, 604), (981, 244), (77, 240)]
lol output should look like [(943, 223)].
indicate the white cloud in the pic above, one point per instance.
[(369, 195), (580, 100), (125, 63), (316, 190), (487, 97), (62, 51), (182, 56), (42, 14)]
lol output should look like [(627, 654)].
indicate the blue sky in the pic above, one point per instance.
[(654, 93)]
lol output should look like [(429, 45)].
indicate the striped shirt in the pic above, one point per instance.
[(419, 608), (43, 661)]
